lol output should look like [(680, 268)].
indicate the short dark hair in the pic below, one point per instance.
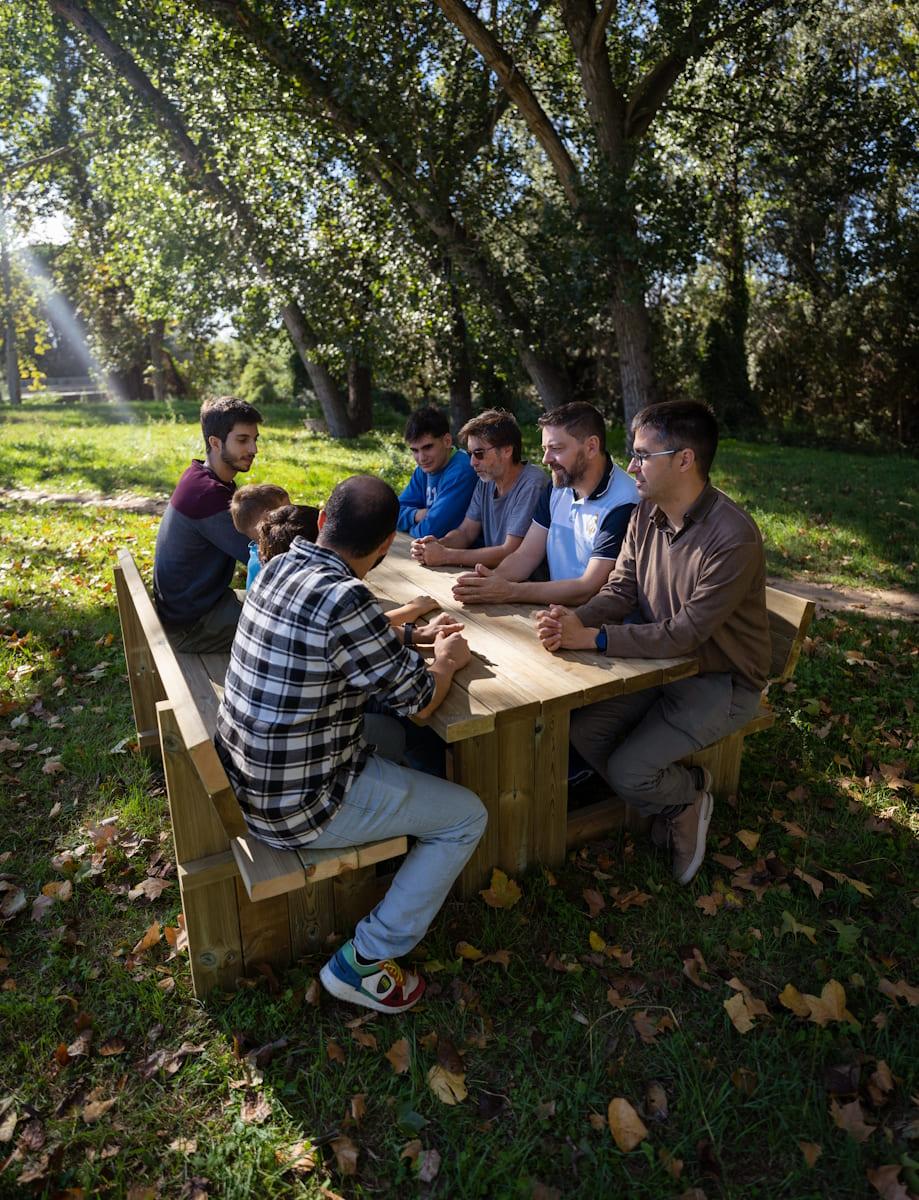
[(279, 528), (496, 426), (250, 503), (680, 423), (220, 414), (360, 514), (426, 420), (579, 419)]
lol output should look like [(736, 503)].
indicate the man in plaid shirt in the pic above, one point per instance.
[(307, 765)]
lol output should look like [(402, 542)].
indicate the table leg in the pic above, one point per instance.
[(550, 813)]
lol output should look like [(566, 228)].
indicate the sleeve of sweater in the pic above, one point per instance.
[(412, 497), (222, 533), (454, 491)]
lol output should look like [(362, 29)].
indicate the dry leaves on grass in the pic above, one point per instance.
[(790, 925), (829, 1006), (743, 1008), (648, 1027), (901, 990), (150, 889), (594, 901), (448, 1086), (255, 1109), (851, 1118), (625, 1125), (811, 1152), (748, 838), (399, 1056), (886, 1182), (345, 1155), (503, 893)]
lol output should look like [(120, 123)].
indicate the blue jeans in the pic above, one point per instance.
[(388, 800)]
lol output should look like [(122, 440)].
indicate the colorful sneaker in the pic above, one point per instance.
[(380, 985), (660, 826)]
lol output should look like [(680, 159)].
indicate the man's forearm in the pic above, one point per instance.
[(489, 556), (550, 591), (443, 678)]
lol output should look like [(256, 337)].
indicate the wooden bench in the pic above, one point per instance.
[(244, 902), (789, 621)]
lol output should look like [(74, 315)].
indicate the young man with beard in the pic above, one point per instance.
[(309, 765), (197, 545), (692, 563), (577, 527), (502, 504)]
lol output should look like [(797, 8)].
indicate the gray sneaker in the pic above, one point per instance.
[(660, 826)]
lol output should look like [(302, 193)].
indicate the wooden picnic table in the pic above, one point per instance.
[(506, 717)]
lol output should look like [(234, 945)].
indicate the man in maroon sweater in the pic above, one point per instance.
[(692, 564), (197, 547)]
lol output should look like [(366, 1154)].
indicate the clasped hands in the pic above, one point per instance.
[(558, 628)]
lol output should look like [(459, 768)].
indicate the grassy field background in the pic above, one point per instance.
[(114, 1082)]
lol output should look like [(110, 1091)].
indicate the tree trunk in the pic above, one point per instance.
[(194, 158), (633, 342), (460, 369), (158, 360), (13, 382), (360, 397), (551, 382)]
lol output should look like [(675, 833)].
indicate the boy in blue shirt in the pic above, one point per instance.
[(438, 493), (247, 508)]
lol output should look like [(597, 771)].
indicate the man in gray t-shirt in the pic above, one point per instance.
[(502, 505)]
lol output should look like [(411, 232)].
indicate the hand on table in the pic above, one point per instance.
[(559, 629), (429, 551), (442, 623), (451, 649), (482, 586), (418, 607)]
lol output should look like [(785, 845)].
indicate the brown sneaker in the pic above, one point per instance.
[(660, 826), (688, 831)]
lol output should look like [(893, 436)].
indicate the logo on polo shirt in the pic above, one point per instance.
[(590, 525)]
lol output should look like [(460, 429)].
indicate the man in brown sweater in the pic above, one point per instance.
[(692, 565)]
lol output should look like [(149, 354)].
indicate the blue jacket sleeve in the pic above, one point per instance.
[(412, 497), (454, 491)]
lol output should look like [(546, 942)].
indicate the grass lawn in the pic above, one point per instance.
[(114, 1082)]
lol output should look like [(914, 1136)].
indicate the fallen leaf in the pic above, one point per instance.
[(545, 1110), (736, 1008), (184, 1145), (334, 1052), (447, 1086), (365, 1039), (411, 1149), (811, 1152), (52, 767), (8, 1119), (13, 902), (596, 942), (692, 966), (744, 1080), (150, 938), (41, 906), (427, 1165), (815, 885), (901, 988), (790, 925), (710, 904), (830, 1005), (851, 1118), (594, 901), (399, 1056), (793, 1000), (255, 1109), (95, 1109), (345, 1155), (359, 1106), (625, 1125), (672, 1165), (655, 1103), (728, 861), (464, 950), (886, 1182), (300, 1157), (501, 957), (503, 893), (151, 889), (748, 838)]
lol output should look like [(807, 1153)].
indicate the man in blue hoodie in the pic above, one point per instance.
[(438, 493)]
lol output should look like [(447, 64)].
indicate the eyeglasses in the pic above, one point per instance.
[(640, 458), (478, 455)]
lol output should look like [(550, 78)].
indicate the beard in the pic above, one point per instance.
[(237, 464), (570, 478)]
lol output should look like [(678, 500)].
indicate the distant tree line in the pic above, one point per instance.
[(481, 201)]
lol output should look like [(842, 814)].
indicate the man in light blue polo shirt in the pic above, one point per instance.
[(577, 527)]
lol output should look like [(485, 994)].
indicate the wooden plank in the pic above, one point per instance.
[(516, 793), (355, 895), (143, 681), (474, 764), (549, 825), (789, 620), (171, 677), (210, 869), (265, 871), (595, 821), (211, 917), (325, 864), (313, 919), (264, 929)]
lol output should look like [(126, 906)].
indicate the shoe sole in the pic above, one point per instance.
[(705, 819), (344, 991)]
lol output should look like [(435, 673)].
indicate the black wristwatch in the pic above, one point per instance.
[(600, 640), (407, 630)]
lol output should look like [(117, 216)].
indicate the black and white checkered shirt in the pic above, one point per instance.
[(313, 645)]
